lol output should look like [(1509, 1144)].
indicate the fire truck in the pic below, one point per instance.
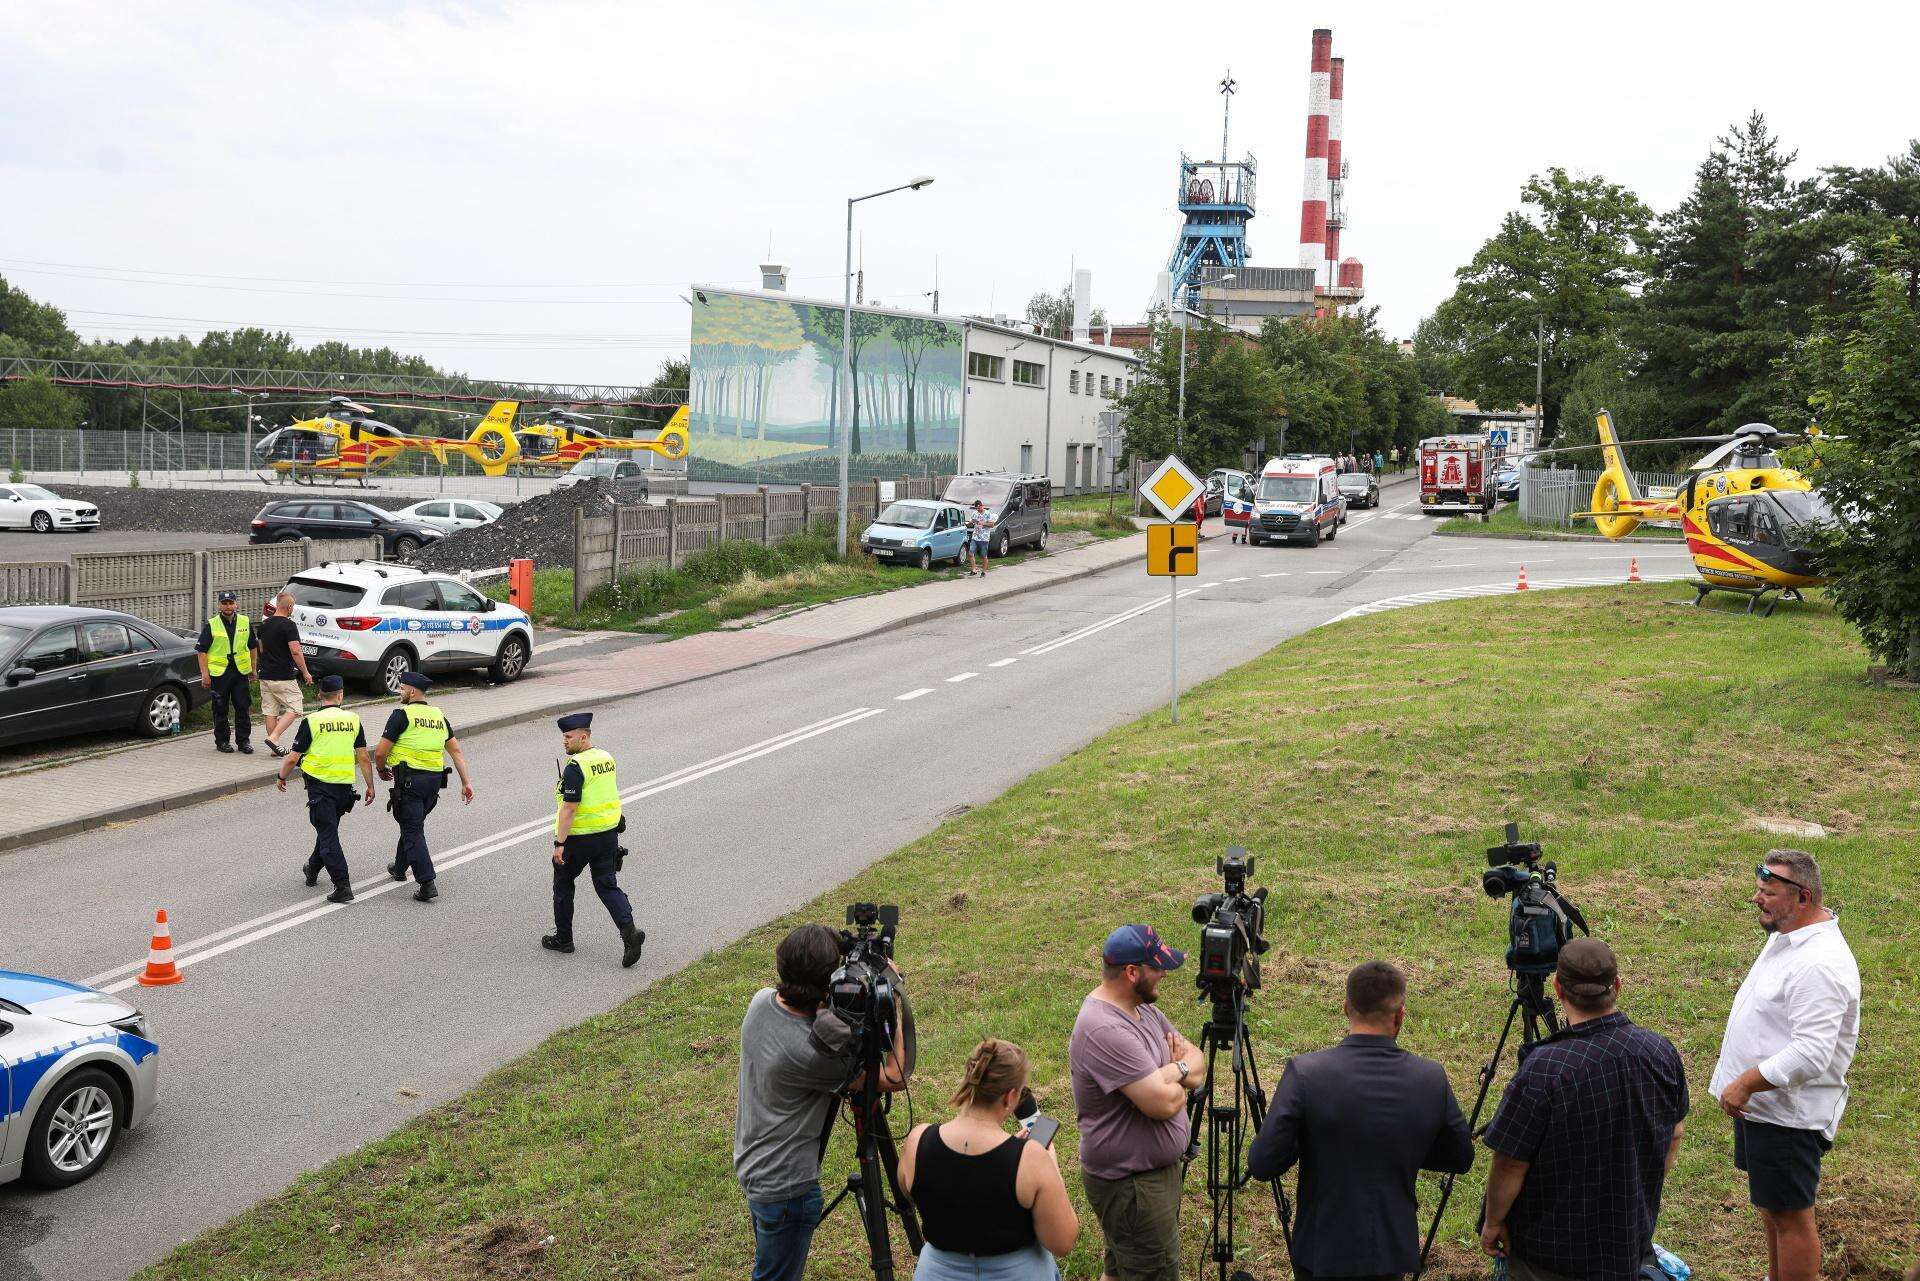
[(1456, 474)]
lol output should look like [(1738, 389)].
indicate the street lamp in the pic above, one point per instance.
[(846, 351), (1180, 415), (250, 395)]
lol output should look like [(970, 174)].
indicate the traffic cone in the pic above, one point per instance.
[(1521, 586), (160, 967), (1633, 570)]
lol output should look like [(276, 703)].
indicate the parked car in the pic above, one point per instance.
[(43, 511), (921, 531), (291, 518), (1506, 483), (1359, 489), (451, 515), (1222, 483), (69, 669), (372, 621), (1021, 507), (84, 1068), (621, 471)]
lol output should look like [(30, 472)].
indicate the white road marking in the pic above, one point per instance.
[(1281, 574), (1126, 615), (1004, 662), (1489, 589), (1326, 571), (963, 676), (265, 926), (912, 694), (1243, 578)]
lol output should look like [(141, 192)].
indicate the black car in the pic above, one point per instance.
[(1506, 483), (1359, 488), (69, 669), (292, 518)]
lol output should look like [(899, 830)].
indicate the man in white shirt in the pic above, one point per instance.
[(1782, 1074)]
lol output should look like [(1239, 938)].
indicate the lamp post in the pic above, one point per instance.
[(1180, 415), (846, 353), (238, 391)]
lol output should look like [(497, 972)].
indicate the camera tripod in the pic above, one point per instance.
[(875, 1177), (1227, 1125), (1534, 1008)]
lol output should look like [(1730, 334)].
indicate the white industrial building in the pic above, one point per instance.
[(1037, 404)]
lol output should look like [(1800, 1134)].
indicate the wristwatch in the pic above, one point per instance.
[(1185, 1071)]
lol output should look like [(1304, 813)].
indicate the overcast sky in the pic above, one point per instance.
[(526, 190)]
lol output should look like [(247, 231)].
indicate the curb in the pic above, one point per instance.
[(27, 837)]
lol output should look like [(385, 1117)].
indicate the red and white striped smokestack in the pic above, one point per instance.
[(1336, 103), (1313, 195)]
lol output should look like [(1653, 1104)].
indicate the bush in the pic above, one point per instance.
[(657, 588), (16, 475)]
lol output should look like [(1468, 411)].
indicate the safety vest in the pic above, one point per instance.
[(599, 800), (421, 744), (239, 649), (330, 756)]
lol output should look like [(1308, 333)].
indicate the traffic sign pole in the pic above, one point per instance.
[(1173, 614)]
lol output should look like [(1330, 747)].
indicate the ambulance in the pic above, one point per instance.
[(1296, 500)]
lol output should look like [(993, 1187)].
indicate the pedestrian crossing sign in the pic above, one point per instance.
[(1171, 488), (1173, 551)]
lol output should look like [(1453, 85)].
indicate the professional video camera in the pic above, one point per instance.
[(1542, 919), (1232, 925), (861, 991)]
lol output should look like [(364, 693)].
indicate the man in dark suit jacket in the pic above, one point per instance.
[(1362, 1120)]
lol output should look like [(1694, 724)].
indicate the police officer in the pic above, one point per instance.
[(226, 651), (327, 747), (413, 752), (586, 834)]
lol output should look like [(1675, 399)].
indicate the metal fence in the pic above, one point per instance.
[(173, 589), (630, 539), (1549, 497)]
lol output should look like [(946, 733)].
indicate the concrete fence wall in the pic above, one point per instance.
[(174, 589), (628, 540)]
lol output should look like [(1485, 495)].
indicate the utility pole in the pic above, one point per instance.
[(1539, 380)]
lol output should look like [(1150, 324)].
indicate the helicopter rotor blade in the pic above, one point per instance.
[(1658, 440)]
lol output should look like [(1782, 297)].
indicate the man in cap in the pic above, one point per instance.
[(1584, 1137), (979, 538), (586, 834), (329, 745), (1131, 1075), (413, 751), (226, 650)]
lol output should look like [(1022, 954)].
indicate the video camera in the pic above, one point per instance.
[(864, 991), (1232, 929), (1542, 919)]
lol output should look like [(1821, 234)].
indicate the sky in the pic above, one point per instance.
[(528, 191)]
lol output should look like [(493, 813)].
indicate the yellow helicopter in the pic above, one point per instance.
[(565, 436), (346, 442), (1748, 520)]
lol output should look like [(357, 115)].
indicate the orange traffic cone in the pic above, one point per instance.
[(160, 967), (1521, 586), (1633, 571)]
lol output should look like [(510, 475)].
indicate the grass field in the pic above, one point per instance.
[(1506, 522), (1637, 740)]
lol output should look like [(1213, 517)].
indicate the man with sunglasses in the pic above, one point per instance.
[(1782, 1074)]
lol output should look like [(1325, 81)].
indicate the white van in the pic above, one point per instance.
[(1297, 499)]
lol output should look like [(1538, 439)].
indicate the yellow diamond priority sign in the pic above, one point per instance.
[(1171, 488)]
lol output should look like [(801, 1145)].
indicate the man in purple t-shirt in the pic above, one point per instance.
[(1131, 1076)]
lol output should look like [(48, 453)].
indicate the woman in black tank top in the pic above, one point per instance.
[(992, 1204)]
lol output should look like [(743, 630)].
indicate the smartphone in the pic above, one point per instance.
[(1041, 1130)]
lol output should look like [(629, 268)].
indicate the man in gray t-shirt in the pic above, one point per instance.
[(1131, 1074), (793, 1065)]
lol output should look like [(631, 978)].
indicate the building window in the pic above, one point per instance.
[(1073, 382), (1103, 386), (981, 365), (1028, 374)]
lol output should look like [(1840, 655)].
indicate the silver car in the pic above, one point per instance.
[(77, 1067), (451, 515)]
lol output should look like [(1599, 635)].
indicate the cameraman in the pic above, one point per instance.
[(795, 1061)]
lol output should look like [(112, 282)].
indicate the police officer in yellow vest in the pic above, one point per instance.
[(226, 650), (329, 745), (413, 751), (586, 834)]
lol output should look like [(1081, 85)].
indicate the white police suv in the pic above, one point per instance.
[(373, 621)]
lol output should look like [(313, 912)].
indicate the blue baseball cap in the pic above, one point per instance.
[(1140, 945), (417, 680), (330, 684)]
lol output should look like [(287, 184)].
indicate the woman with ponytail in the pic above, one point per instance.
[(992, 1204)]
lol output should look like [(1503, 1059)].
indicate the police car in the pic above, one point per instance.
[(374, 621), (77, 1067)]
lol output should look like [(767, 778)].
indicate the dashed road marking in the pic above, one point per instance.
[(963, 676), (1243, 578), (912, 694), (1004, 662)]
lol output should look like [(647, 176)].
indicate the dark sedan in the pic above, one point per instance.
[(1359, 489), (292, 518), (70, 669), (1506, 483)]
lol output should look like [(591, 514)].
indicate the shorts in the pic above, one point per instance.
[(278, 698), (978, 546), (1782, 1165), (1140, 1219)]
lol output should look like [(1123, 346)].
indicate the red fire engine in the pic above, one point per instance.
[(1456, 474)]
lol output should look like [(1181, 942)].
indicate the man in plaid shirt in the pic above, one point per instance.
[(1585, 1136)]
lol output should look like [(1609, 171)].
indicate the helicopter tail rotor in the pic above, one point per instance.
[(493, 444), (1617, 486)]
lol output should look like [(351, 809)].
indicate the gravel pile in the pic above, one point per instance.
[(172, 511), (540, 528)]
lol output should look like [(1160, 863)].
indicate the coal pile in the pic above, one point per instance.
[(538, 528), (172, 511)]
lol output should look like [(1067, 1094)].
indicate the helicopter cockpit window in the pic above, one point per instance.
[(1802, 507), (1765, 531), (1732, 520)]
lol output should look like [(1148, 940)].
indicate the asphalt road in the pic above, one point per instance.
[(19, 545), (303, 1030)]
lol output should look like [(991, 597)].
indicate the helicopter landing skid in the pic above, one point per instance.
[(1756, 596)]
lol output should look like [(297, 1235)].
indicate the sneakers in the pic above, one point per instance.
[(635, 939), (397, 870), (342, 893), (427, 892), (312, 872), (223, 747), (557, 942)]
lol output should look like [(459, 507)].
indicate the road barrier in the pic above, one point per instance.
[(173, 589), (630, 539)]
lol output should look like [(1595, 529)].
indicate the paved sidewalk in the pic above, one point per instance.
[(43, 805)]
